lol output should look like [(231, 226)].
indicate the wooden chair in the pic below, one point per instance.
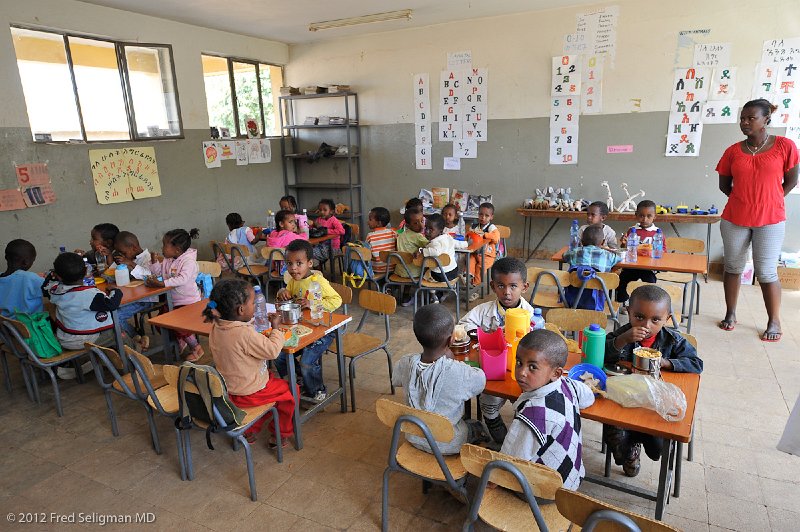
[(689, 246), (231, 252), (362, 256), (575, 320), (675, 296), (4, 351), (15, 333), (356, 345), (690, 451), (405, 458), (346, 293), (603, 281), (274, 257), (211, 268), (549, 298), (426, 286), (503, 509), (587, 512), (397, 258), (252, 414)]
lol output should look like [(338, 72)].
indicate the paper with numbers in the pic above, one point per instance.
[(565, 106), (592, 84)]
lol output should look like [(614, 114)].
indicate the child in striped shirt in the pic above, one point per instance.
[(380, 238)]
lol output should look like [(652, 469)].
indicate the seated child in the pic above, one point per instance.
[(327, 218), (413, 203), (128, 251), (380, 238), (288, 203), (101, 246), (299, 254), (435, 382), (241, 234), (591, 253), (491, 238), (441, 244), (409, 240), (20, 289), (178, 269), (509, 280), (240, 355), (453, 223), (547, 422), (285, 230), (649, 311), (646, 230), (83, 313), (596, 214)]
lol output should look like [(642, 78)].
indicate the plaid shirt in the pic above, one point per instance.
[(598, 258)]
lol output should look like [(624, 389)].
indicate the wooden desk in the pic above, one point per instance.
[(474, 247), (669, 262), (671, 219), (190, 318), (639, 419), (133, 295)]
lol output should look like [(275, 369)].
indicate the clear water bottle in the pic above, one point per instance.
[(632, 254), (62, 249), (121, 275), (315, 299), (260, 320), (537, 321), (658, 244), (574, 235), (88, 278), (270, 227)]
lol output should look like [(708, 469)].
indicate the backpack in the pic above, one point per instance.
[(197, 402), (205, 284), (347, 237), (590, 299), (354, 272), (43, 341)]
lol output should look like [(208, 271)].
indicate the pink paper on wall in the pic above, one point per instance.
[(11, 200), (32, 174), (625, 148)]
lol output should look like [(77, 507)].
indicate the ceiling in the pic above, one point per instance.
[(287, 20)]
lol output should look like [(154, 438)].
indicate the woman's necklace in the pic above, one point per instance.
[(752, 151)]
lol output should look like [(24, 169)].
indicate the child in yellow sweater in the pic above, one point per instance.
[(299, 255)]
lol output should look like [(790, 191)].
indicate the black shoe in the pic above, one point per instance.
[(632, 463), (653, 447), (617, 441), (497, 429)]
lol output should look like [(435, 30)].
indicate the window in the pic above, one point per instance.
[(239, 91), (87, 89)]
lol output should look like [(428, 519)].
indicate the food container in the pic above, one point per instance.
[(290, 312), (646, 360), (460, 348)]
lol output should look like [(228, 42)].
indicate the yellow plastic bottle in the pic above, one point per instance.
[(517, 321), (512, 351)]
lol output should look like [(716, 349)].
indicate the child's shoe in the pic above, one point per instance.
[(196, 354), (632, 463), (408, 302), (474, 296), (497, 428), (181, 346)]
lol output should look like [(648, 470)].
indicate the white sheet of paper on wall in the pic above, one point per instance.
[(690, 85), (685, 143), (452, 163), (422, 133), (475, 130), (723, 86), (721, 112), (465, 149), (211, 154), (422, 86), (781, 51), (423, 156), (457, 60), (564, 145), (564, 111), (450, 127), (241, 153), (712, 54), (566, 76), (475, 85), (450, 86), (788, 112), (592, 85), (765, 82), (793, 133)]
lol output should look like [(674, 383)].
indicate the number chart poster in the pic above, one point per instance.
[(124, 174), (565, 107)]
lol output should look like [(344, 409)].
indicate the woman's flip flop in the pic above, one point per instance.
[(777, 338), (727, 325)]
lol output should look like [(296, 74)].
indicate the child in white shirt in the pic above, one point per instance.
[(440, 243)]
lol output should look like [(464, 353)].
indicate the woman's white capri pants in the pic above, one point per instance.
[(767, 242)]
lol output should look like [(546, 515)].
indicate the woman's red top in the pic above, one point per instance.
[(757, 197)]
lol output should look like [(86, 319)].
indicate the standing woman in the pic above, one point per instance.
[(756, 174)]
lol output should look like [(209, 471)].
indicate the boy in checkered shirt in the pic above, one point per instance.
[(547, 421)]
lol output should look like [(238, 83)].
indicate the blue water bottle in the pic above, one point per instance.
[(658, 244)]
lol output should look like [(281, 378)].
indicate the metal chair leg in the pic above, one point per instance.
[(181, 457), (352, 377), (6, 372), (187, 449), (278, 436), (250, 474), (389, 360), (385, 501), (112, 416), (56, 392), (607, 472), (153, 432), (690, 451)]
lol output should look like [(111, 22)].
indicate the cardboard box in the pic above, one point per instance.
[(789, 278)]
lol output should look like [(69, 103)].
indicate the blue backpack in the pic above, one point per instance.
[(590, 299), (354, 273)]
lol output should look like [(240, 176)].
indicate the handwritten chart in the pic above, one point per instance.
[(124, 174)]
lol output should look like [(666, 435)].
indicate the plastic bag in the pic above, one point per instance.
[(643, 391)]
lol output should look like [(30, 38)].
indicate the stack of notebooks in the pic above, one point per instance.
[(338, 88), (289, 91)]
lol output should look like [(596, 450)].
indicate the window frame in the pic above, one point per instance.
[(122, 70), (235, 101)]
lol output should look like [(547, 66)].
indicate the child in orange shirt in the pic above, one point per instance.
[(491, 239)]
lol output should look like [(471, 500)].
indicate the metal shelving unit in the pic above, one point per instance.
[(295, 167)]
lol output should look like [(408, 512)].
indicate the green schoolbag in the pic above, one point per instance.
[(43, 341), (199, 405)]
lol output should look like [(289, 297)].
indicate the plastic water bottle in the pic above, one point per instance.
[(121, 275), (633, 247), (574, 236), (537, 321), (658, 244), (270, 227), (88, 279), (62, 249), (315, 299), (260, 321), (302, 222)]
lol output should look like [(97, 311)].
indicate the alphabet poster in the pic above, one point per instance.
[(465, 149), (124, 174), (721, 112), (689, 94), (781, 51), (422, 121), (475, 104), (723, 84), (450, 118), (564, 109), (765, 84)]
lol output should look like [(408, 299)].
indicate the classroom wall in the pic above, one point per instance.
[(517, 50), (192, 195)]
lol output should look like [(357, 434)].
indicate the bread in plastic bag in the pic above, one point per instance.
[(644, 391)]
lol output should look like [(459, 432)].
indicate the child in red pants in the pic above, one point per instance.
[(241, 354)]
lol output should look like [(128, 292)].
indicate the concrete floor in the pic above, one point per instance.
[(737, 481)]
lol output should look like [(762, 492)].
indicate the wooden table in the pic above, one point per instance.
[(474, 247), (133, 295), (669, 262), (671, 219), (606, 411), (189, 318)]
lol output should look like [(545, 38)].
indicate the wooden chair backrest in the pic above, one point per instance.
[(577, 507), (21, 328), (675, 292), (355, 230), (611, 281), (504, 230), (211, 268), (544, 482), (691, 339), (171, 375), (227, 247), (270, 253), (575, 319), (387, 256), (685, 245), (430, 262), (552, 327), (111, 354), (345, 292), (357, 252), (377, 302), (144, 362), (389, 411), (547, 280)]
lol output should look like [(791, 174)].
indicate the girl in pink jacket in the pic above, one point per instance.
[(285, 230), (178, 269)]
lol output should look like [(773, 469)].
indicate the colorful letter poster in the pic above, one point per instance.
[(565, 109), (422, 120), (124, 174), (721, 112), (450, 94), (723, 86), (689, 94), (765, 84), (475, 104), (592, 86), (32, 174)]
